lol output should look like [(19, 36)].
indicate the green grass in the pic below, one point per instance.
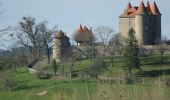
[(28, 87)]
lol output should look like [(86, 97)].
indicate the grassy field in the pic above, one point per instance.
[(150, 84)]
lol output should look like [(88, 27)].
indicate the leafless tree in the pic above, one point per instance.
[(104, 34), (46, 36), (34, 36), (68, 58), (162, 50), (115, 47), (117, 42), (28, 35)]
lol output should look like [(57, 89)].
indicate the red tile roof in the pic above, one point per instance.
[(148, 8), (129, 13), (85, 28), (132, 11), (155, 9), (80, 29), (82, 34), (129, 6), (141, 9)]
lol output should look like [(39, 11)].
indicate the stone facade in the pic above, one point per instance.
[(146, 21), (60, 45)]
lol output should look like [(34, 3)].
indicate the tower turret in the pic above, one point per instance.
[(60, 45), (156, 22), (149, 31), (140, 24), (126, 20), (129, 6)]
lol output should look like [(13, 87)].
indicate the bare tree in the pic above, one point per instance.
[(162, 50), (68, 58), (115, 47), (34, 36), (28, 35), (104, 34), (46, 36)]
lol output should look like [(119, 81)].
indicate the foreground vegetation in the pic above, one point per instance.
[(151, 83)]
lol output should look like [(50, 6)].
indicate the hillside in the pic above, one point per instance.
[(151, 83)]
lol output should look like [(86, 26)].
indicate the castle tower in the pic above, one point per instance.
[(126, 20), (83, 35), (156, 22), (60, 44), (150, 35), (140, 24)]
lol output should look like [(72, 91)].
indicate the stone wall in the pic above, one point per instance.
[(148, 28), (125, 24)]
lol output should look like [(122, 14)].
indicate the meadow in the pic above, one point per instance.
[(150, 83)]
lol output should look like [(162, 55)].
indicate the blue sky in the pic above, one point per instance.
[(68, 14)]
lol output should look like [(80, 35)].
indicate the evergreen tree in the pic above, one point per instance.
[(131, 52)]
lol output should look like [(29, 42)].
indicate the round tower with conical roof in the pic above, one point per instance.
[(126, 20), (141, 24), (156, 17), (60, 44), (83, 36), (149, 31)]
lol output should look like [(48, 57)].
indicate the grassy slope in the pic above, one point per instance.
[(28, 86)]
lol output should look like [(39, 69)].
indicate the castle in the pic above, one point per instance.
[(145, 20)]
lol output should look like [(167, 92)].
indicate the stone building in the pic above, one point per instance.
[(145, 20), (60, 45), (83, 35)]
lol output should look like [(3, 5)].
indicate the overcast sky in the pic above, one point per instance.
[(68, 14)]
